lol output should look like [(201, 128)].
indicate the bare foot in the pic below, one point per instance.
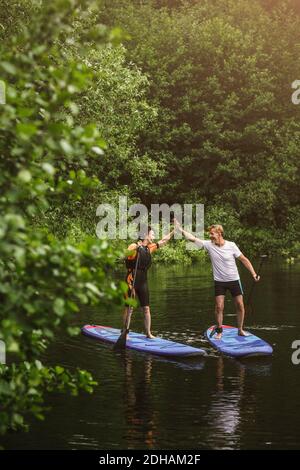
[(243, 333), (150, 336), (218, 336)]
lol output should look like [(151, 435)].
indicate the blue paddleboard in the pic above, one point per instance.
[(234, 345), (139, 342)]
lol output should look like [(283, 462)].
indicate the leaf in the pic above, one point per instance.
[(97, 150), (25, 131), (59, 307), (17, 419), (93, 288), (66, 147), (13, 347), (73, 330), (25, 176), (48, 168), (8, 67), (59, 370), (38, 364)]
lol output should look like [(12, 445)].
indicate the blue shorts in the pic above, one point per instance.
[(234, 287)]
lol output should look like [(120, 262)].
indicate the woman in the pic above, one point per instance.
[(142, 251)]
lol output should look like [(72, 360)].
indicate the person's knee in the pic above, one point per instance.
[(146, 310), (219, 308), (240, 304)]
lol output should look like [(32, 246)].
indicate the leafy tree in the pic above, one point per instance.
[(220, 77)]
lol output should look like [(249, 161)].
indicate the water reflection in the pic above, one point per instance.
[(228, 399), (224, 410), (231, 399), (141, 417)]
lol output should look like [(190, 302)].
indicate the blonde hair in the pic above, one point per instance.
[(218, 228)]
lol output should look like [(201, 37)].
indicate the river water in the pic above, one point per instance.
[(146, 402)]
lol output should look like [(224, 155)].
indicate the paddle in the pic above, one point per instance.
[(121, 341), (248, 306)]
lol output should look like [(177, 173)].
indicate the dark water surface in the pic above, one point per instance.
[(145, 402)]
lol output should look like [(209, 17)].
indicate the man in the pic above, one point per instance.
[(144, 248), (223, 254)]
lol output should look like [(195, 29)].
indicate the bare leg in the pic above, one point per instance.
[(240, 311), (219, 309), (127, 317), (128, 310), (147, 320)]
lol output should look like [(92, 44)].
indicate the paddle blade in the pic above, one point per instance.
[(121, 341), (212, 333)]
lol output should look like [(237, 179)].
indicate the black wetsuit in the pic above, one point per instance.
[(141, 281)]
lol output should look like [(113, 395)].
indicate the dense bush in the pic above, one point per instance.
[(45, 155)]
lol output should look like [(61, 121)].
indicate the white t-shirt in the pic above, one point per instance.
[(223, 260)]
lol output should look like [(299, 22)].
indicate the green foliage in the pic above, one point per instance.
[(220, 77), (114, 98), (45, 156), (117, 102), (177, 253), (22, 386)]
